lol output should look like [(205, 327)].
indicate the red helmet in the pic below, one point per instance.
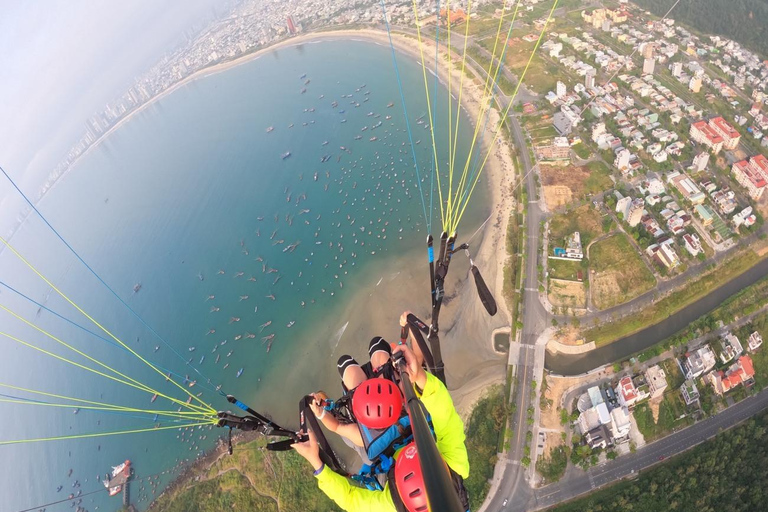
[(410, 480), (377, 403)]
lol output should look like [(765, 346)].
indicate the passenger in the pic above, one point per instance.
[(449, 434)]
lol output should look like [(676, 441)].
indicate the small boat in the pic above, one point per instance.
[(191, 349), (201, 360), (373, 139), (303, 76), (290, 324), (157, 347), (154, 397), (303, 90), (270, 129), (59, 488), (239, 373), (226, 366), (155, 418), (136, 287), (358, 137), (192, 384), (200, 276), (77, 410), (325, 143), (285, 155), (390, 104), (218, 356)]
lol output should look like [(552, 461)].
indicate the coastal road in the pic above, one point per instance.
[(578, 482)]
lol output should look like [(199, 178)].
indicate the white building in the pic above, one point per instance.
[(699, 362), (648, 66), (754, 341), (560, 89), (656, 379), (620, 424), (628, 394), (622, 159), (700, 161), (690, 392), (730, 348)]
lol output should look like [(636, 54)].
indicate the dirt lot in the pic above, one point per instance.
[(568, 335), (557, 195), (571, 294), (618, 274), (580, 181)]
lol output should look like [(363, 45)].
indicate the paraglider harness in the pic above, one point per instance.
[(445, 490)]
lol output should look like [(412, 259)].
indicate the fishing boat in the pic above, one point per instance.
[(373, 139), (136, 287), (154, 397), (269, 130), (290, 324), (285, 155), (239, 373), (390, 104), (191, 349)]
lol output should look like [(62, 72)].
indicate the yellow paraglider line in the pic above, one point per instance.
[(104, 434), (139, 385), (506, 111), (22, 401), (485, 105), (89, 317)]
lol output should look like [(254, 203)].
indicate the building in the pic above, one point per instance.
[(694, 84), (291, 26), (573, 246), (597, 437), (560, 149), (664, 254), (635, 212), (730, 348), (628, 394), (649, 65), (730, 135), (622, 206), (453, 16), (589, 81), (749, 179), (594, 417), (692, 244), (700, 161), (702, 133), (620, 424), (677, 69), (622, 159), (560, 89), (754, 341), (686, 187), (699, 362), (656, 380), (689, 392), (740, 372)]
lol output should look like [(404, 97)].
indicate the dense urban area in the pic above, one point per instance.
[(646, 143)]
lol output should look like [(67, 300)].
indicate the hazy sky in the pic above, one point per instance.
[(62, 60)]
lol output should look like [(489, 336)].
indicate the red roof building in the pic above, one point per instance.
[(729, 134), (741, 372), (702, 133), (749, 178)]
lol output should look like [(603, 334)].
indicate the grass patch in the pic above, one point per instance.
[(561, 269), (585, 219), (619, 275), (488, 416), (670, 410), (659, 310), (251, 479), (599, 179), (553, 467), (582, 151)]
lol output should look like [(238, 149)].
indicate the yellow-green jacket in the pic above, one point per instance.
[(449, 431)]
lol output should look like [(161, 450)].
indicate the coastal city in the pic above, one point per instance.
[(629, 235)]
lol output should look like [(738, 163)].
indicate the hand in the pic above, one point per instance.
[(316, 403), (309, 450), (412, 367), (404, 318)]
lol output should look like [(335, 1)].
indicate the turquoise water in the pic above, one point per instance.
[(192, 186)]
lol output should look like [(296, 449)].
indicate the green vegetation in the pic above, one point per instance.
[(671, 409), (561, 269), (552, 468), (599, 178), (485, 424), (742, 21), (251, 479), (584, 219), (688, 294), (619, 275), (582, 151), (720, 474)]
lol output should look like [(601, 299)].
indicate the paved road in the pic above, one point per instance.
[(627, 466)]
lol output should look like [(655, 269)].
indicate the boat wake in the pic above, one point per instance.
[(337, 337)]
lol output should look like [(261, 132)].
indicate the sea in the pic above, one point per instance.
[(237, 255)]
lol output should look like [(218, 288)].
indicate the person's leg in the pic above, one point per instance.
[(351, 373), (379, 352)]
